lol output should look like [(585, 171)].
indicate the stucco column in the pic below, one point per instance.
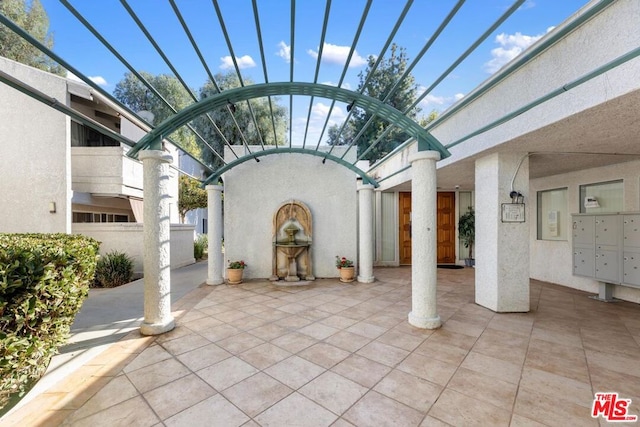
[(157, 254), (424, 240), (365, 250), (501, 248), (215, 260)]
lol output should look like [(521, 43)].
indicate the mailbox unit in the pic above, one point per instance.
[(606, 247)]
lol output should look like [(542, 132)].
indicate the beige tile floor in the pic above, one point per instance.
[(343, 354)]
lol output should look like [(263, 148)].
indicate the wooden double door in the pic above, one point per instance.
[(446, 212)]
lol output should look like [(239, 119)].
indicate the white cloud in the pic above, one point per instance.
[(511, 45), (284, 51), (334, 54), (441, 103), (344, 85), (243, 62), (99, 80), (318, 116)]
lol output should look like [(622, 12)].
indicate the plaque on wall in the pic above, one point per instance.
[(513, 212)]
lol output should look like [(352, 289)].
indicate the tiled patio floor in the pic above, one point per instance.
[(343, 354)]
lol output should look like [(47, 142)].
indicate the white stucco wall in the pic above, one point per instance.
[(254, 191), (35, 155), (551, 261), (128, 238), (106, 170)]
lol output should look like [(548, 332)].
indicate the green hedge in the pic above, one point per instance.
[(44, 279)]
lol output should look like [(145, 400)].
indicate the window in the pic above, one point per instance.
[(99, 217), (552, 214), (82, 136), (602, 197)]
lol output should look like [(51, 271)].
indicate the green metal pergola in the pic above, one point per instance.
[(310, 88)]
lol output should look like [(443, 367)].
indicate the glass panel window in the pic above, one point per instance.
[(603, 197), (82, 217), (553, 214), (82, 136), (389, 226), (99, 217)]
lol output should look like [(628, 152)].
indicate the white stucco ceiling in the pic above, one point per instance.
[(600, 136)]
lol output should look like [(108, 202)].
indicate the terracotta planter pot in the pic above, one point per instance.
[(347, 274), (234, 275)]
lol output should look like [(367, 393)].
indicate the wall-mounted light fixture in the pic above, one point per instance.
[(516, 197), (52, 207)]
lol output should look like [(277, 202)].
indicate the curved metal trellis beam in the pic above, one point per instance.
[(325, 156), (425, 140)]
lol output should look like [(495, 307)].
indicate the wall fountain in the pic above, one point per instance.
[(292, 237)]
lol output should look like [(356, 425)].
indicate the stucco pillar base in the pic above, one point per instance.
[(157, 328), (369, 279), (424, 322), (214, 282)]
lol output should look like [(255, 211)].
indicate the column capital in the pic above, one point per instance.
[(163, 156), (214, 187), (424, 155), (362, 186)]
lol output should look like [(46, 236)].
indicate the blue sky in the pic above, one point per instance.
[(76, 45)]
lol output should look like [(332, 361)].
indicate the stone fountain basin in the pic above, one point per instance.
[(292, 250)]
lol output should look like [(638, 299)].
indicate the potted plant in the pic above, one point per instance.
[(346, 269), (234, 272), (467, 232)]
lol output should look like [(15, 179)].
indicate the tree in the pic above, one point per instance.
[(190, 196), (425, 120), (344, 138), (30, 16), (246, 127), (380, 83), (135, 95)]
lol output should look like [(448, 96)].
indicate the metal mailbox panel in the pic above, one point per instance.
[(583, 230), (631, 230), (631, 268), (583, 262), (607, 266), (608, 230)]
